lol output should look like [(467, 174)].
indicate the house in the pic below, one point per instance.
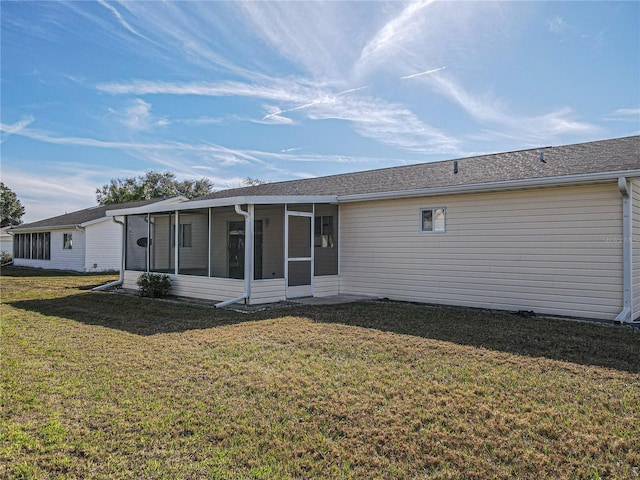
[(552, 230), (85, 241), (6, 241)]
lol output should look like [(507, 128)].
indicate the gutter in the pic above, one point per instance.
[(248, 256), (120, 280), (627, 301)]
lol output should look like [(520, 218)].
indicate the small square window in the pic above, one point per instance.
[(432, 220), (67, 241)]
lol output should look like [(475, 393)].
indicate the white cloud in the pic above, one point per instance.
[(120, 18), (16, 127), (201, 121), (317, 36), (58, 189), (137, 116), (395, 32), (387, 122), (491, 112), (624, 112), (557, 25)]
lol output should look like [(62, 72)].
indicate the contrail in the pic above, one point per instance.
[(311, 104), (428, 72), (352, 90)]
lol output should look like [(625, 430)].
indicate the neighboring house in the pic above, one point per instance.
[(85, 241), (552, 230), (6, 241)]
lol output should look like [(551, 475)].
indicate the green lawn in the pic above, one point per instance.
[(97, 385)]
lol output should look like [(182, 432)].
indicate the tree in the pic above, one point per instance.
[(252, 182), (152, 184), (11, 210)]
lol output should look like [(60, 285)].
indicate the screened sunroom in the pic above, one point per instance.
[(251, 250)]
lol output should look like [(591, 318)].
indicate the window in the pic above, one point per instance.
[(323, 232), (432, 220), (34, 246), (67, 241)]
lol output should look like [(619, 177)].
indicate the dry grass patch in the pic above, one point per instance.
[(98, 385)]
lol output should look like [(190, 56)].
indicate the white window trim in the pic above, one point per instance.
[(433, 210), (69, 236)]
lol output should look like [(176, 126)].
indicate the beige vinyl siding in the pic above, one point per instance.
[(130, 279), (635, 238), (326, 286), (543, 250), (267, 291), (103, 246)]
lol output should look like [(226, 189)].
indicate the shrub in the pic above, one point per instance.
[(5, 257), (154, 285)]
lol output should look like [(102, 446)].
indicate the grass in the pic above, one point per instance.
[(96, 385)]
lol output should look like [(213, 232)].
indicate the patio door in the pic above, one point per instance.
[(299, 254)]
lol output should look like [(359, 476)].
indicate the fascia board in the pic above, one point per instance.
[(226, 202), (491, 186), (93, 222), (45, 228)]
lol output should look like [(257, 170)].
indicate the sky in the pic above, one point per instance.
[(92, 91)]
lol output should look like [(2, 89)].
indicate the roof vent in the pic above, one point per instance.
[(296, 191), (455, 166), (542, 157)]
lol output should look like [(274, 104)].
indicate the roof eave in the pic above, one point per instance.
[(528, 183)]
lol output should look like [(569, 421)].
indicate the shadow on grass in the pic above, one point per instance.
[(132, 314), (25, 272), (583, 343)]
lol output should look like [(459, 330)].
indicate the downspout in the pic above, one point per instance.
[(248, 256), (120, 280), (625, 314), (85, 267)]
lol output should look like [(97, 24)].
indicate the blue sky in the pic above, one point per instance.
[(97, 90)]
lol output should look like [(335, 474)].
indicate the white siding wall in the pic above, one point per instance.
[(6, 244), (545, 250), (103, 246), (60, 259), (635, 238)]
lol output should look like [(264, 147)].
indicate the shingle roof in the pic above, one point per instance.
[(613, 155), (82, 216)]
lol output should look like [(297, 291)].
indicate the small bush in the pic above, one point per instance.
[(5, 257), (154, 285)]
